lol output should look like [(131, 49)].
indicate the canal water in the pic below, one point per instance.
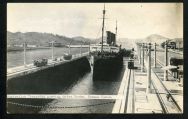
[(87, 86), (83, 85), (16, 58)]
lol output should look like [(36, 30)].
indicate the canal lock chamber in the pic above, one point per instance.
[(51, 80)]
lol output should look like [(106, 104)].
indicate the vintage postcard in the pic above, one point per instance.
[(109, 58)]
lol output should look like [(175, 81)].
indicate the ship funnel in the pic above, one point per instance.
[(111, 38)]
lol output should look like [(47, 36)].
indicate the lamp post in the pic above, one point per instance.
[(166, 61), (24, 45), (81, 50), (24, 48), (142, 66), (149, 68), (70, 47), (140, 52), (89, 47), (52, 50), (155, 55)]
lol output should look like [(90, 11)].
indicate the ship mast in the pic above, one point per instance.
[(103, 28)]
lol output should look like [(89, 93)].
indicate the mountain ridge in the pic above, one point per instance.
[(38, 38)]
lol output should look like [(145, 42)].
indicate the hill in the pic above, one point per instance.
[(42, 39), (159, 39), (36, 38), (153, 38), (86, 40)]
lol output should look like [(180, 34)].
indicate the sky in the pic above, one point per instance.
[(134, 20)]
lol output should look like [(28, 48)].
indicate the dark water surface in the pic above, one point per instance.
[(86, 85)]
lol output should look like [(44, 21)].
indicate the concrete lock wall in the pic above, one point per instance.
[(50, 80)]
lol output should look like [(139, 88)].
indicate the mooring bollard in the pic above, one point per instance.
[(166, 61), (155, 55), (149, 69)]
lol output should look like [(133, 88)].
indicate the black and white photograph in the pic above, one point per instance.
[(95, 58)]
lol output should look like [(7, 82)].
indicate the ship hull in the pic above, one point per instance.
[(107, 68)]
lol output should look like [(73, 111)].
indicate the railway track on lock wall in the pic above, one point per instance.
[(161, 99), (160, 95), (167, 92)]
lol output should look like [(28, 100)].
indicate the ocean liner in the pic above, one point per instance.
[(106, 58)]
